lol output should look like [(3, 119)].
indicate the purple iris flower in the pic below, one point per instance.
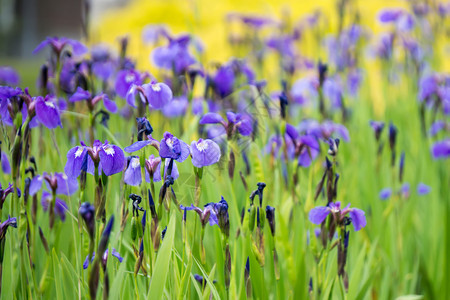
[(4, 193), (354, 79), (324, 131), (428, 86), (423, 189), (207, 214), (389, 15), (306, 147), (8, 76), (157, 95), (405, 190), (81, 95), (176, 108), (47, 111), (385, 193), (333, 91), (377, 127), (141, 144), (152, 33), (4, 227), (274, 145), (384, 46), (133, 175), (58, 182), (125, 79), (60, 205), (236, 122), (437, 126), (114, 253), (441, 149), (58, 44), (6, 167), (172, 147), (304, 89), (225, 78), (204, 153), (109, 158), (175, 56), (255, 21), (318, 214), (153, 165), (103, 66)]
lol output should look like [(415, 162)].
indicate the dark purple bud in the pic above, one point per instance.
[(43, 240), (152, 205), (283, 103), (143, 221), (143, 126), (87, 212), (392, 141), (322, 69), (377, 128), (105, 236), (163, 233), (402, 164), (270, 215)]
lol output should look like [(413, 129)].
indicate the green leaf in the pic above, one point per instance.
[(161, 269)]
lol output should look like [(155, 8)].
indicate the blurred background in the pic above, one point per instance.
[(24, 23)]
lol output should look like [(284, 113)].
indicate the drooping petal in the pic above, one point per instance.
[(60, 208), (66, 185), (35, 185), (358, 218), (204, 153), (45, 200), (77, 47), (124, 80), (211, 118), (75, 158), (6, 167), (158, 94), (47, 113), (80, 95), (86, 262), (112, 159), (318, 214), (137, 146), (133, 173), (116, 255), (109, 104)]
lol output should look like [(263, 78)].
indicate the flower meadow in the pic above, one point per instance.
[(275, 174)]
